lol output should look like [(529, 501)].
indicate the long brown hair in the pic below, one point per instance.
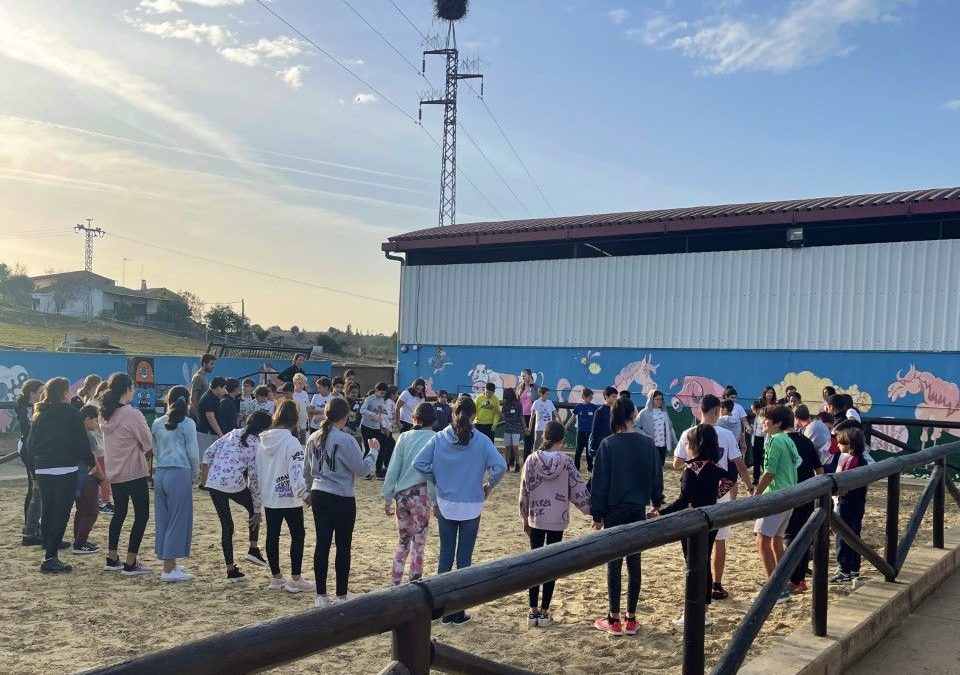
[(177, 399), (117, 386), (53, 392), (464, 411), (553, 435), (335, 411)]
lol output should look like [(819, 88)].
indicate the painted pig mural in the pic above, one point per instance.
[(694, 388)]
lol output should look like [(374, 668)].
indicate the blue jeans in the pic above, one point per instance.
[(458, 536)]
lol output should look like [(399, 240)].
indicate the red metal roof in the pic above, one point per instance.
[(756, 214)]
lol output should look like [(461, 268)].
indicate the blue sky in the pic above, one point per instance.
[(208, 126)]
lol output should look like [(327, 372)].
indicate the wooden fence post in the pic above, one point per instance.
[(938, 504), (695, 602), (893, 522), (411, 639), (821, 567)]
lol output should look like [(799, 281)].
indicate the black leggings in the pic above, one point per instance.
[(294, 518), (366, 433), (387, 444), (757, 458), (138, 492), (537, 539), (798, 519), (333, 515), (621, 516), (221, 502), (583, 444), (57, 492), (527, 437)]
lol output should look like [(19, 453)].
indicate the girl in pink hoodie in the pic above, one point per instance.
[(548, 485), (126, 443)]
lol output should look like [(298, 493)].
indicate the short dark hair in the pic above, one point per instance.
[(789, 388), (443, 393), (492, 387), (847, 400), (207, 358), (249, 383), (299, 356), (730, 391), (232, 384), (392, 389), (287, 387), (829, 391), (609, 391), (794, 394), (262, 390), (271, 387), (837, 402), (218, 382), (380, 386), (726, 405), (802, 412), (425, 415), (338, 380), (780, 415), (587, 391), (757, 406), (709, 402), (323, 381), (349, 372), (88, 411), (624, 393), (544, 390)]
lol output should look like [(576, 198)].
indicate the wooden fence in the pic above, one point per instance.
[(408, 611)]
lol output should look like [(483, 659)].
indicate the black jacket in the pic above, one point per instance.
[(626, 472), (58, 438)]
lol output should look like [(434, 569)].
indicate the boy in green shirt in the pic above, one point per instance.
[(780, 463), (488, 411)]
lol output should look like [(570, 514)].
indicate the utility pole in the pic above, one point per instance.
[(448, 173), (89, 233), (243, 318)]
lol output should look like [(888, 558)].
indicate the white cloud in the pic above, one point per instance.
[(293, 76), (160, 7), (953, 105), (29, 41), (656, 29), (365, 99), (352, 62), (182, 29), (280, 48), (214, 3), (808, 33), (618, 15), (240, 55)]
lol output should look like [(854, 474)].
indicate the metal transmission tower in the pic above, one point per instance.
[(89, 233), (448, 174)]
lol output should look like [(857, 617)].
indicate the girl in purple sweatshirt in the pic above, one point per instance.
[(548, 485)]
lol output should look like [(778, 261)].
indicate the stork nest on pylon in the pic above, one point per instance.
[(451, 10)]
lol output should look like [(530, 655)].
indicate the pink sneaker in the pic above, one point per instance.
[(630, 627), (613, 627)]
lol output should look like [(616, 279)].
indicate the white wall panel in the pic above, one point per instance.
[(895, 296)]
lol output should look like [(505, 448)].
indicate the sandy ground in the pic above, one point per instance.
[(90, 617)]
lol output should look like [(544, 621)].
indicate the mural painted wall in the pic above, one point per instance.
[(153, 374), (883, 384)]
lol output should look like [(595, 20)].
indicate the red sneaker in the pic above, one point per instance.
[(630, 627), (797, 589), (613, 627)]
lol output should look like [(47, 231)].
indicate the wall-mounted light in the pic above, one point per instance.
[(415, 347), (403, 349), (795, 236)]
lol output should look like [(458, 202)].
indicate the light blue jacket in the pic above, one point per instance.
[(176, 448), (458, 470), (400, 473)]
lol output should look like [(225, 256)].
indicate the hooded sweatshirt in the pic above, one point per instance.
[(646, 423), (336, 465), (58, 439), (126, 439), (280, 470), (458, 470), (400, 473), (549, 484)]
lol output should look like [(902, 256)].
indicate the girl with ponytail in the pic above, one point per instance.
[(28, 397), (456, 461), (126, 443), (175, 467), (336, 461)]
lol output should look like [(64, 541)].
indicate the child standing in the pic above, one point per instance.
[(302, 397), (850, 505), (371, 413), (488, 411), (759, 437), (601, 421), (247, 401), (550, 483), (408, 488), (542, 411), (810, 466), (387, 441), (511, 412), (354, 403), (443, 410), (261, 401), (729, 421), (87, 487), (583, 413), (318, 403), (283, 490), (654, 421)]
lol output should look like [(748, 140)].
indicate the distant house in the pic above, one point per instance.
[(83, 293)]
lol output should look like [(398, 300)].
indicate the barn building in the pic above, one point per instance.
[(859, 292)]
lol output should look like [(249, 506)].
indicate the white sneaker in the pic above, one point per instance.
[(175, 575), (299, 586), (344, 598), (276, 583), (706, 620), (321, 601)]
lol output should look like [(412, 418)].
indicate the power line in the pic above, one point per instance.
[(233, 266), (489, 112), (379, 93)]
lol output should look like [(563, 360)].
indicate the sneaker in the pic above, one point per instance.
[(321, 601), (255, 557), (532, 618), (448, 619), (299, 586), (344, 598), (106, 509), (234, 575), (85, 549), (31, 540), (54, 566), (798, 588), (614, 627), (630, 626), (841, 578), (276, 583), (175, 575), (113, 565), (719, 592), (135, 570), (707, 621), (543, 619), (784, 595), (461, 619)]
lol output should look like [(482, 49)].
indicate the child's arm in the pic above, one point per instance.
[(683, 501), (577, 489), (393, 472), (298, 482), (524, 500)]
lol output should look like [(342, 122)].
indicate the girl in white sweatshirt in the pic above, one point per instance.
[(284, 491)]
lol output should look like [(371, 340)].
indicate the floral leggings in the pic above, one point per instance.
[(413, 517)]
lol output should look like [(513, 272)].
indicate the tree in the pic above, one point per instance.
[(15, 286), (176, 312), (259, 332), (195, 304), (64, 292), (222, 319), (294, 330), (329, 344)]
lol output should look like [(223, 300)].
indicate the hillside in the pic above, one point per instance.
[(21, 329)]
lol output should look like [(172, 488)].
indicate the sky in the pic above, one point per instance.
[(226, 155)]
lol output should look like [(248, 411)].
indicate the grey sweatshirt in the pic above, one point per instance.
[(336, 466)]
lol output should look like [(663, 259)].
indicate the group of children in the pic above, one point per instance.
[(276, 450)]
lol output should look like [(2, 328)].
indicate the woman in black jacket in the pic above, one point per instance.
[(60, 449), (29, 395)]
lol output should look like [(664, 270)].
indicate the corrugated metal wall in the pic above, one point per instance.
[(897, 296)]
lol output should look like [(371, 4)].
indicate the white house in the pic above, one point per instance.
[(83, 293)]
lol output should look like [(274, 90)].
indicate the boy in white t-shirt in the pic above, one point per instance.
[(318, 402), (302, 397), (541, 411)]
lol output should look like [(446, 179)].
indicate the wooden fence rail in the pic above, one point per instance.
[(407, 610)]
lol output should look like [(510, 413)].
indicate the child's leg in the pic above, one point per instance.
[(537, 538), (765, 550), (245, 499), (614, 586), (323, 522), (553, 536), (87, 512), (346, 516), (274, 520), (406, 528), (421, 515), (633, 584), (294, 518), (221, 502)]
